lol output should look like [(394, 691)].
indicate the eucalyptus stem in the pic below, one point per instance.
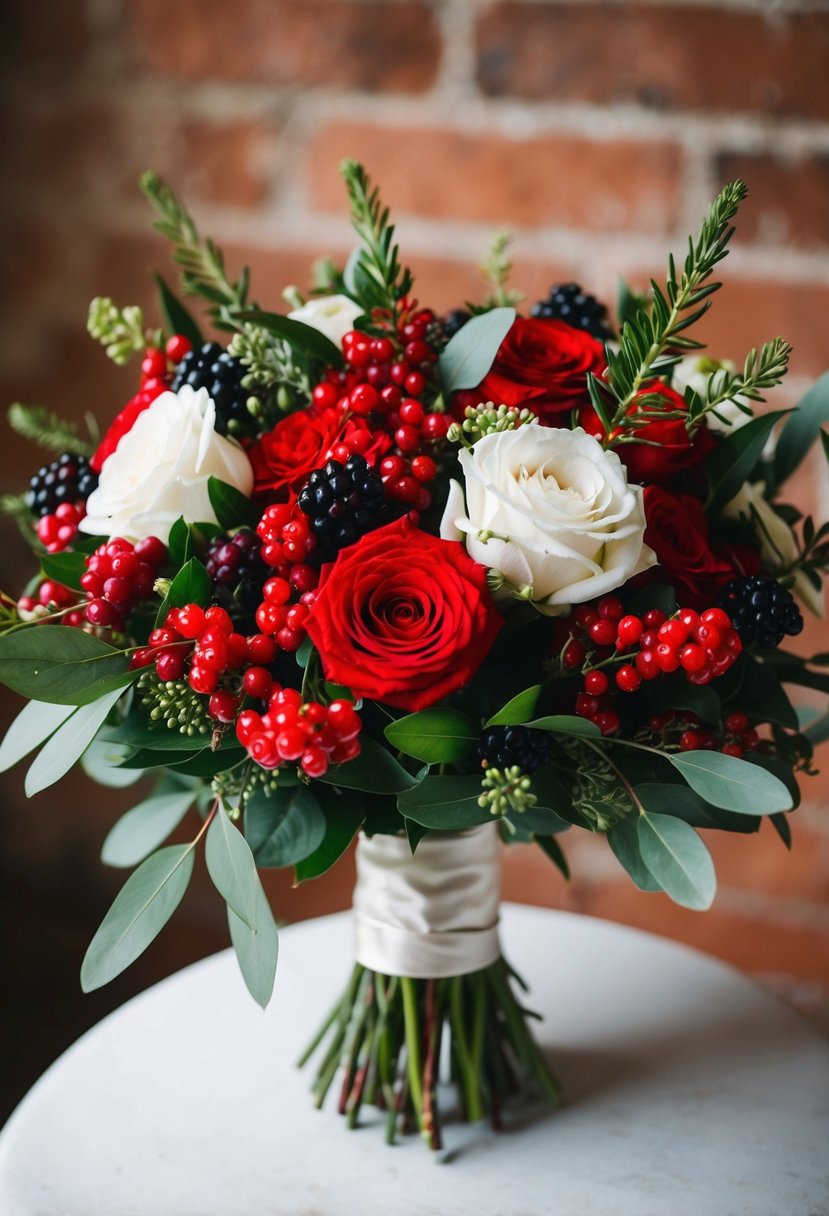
[(407, 987)]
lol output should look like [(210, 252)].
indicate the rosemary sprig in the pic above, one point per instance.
[(762, 370), (41, 426), (653, 340), (201, 261), (378, 281), (496, 268)]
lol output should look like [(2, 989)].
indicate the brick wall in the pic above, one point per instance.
[(598, 131)]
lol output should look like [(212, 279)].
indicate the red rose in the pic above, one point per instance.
[(669, 448), (541, 364), (124, 421), (283, 459), (403, 617), (677, 531)]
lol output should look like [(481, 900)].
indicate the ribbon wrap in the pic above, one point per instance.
[(430, 914)]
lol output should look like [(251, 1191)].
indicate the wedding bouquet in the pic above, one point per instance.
[(439, 581)]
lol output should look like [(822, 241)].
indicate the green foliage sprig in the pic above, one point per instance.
[(43, 427), (762, 370), (653, 339), (119, 330), (375, 276), (496, 268), (201, 261)]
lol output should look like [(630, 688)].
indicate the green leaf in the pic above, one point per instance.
[(680, 801), (140, 911), (68, 743), (344, 815), (672, 693), (762, 694), (284, 827), (177, 319), (103, 762), (298, 335), (141, 830), (34, 724), (468, 356), (190, 586), (180, 543), (781, 826), (256, 949), (446, 804), (518, 710), (677, 859), (137, 732), (550, 846), (375, 771), (61, 665), (566, 724), (540, 820), (623, 839), (437, 736), (414, 833), (64, 567), (231, 867), (734, 785), (802, 429), (735, 457), (231, 506)]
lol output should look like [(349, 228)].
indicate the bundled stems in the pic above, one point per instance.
[(385, 1035)]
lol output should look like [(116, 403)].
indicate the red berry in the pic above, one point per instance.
[(325, 396), (689, 618), (248, 722), (237, 650), (690, 741), (585, 615), (435, 426), (674, 632), (692, 658), (154, 364), (343, 719), (100, 613), (190, 621), (291, 743), (667, 657), (607, 721), (573, 654), (736, 723), (364, 399), (750, 739), (647, 665), (170, 665), (344, 751), (290, 639), (202, 679), (653, 618), (611, 608), (217, 618), (257, 682), (222, 705), (732, 749), (709, 636), (213, 656), (628, 678), (603, 632), (407, 438), (587, 706), (177, 347), (277, 591), (314, 762), (716, 617), (629, 630), (595, 683), (392, 467), (261, 649), (424, 469)]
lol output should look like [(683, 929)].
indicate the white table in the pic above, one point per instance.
[(689, 1091)]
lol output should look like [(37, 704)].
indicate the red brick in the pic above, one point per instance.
[(663, 57), (788, 199), (548, 181), (393, 47)]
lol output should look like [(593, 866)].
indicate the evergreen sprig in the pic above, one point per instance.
[(653, 340), (378, 279), (496, 268), (119, 330), (39, 425), (762, 370), (201, 261)]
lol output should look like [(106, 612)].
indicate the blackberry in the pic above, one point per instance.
[(454, 322), (343, 502), (761, 610), (502, 746), (238, 573), (567, 302), (213, 368), (70, 478)]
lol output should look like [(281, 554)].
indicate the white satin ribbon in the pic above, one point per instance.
[(430, 914)]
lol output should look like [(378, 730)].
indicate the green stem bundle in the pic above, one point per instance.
[(384, 1037)]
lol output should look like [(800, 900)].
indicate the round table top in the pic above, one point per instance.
[(688, 1090)]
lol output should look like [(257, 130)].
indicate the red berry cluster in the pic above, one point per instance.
[(686, 731), (388, 380), (287, 543), (311, 734), (202, 643), (51, 597), (57, 531), (156, 366), (118, 575)]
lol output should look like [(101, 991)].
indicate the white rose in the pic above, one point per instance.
[(778, 544), (160, 469), (552, 511), (333, 316)]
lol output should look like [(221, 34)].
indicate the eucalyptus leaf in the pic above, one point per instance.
[(539, 820), (141, 830), (448, 804), (34, 724), (414, 833), (518, 710), (566, 724), (730, 783), (677, 859), (61, 665), (469, 355), (68, 743), (375, 771), (550, 846), (103, 762), (256, 949), (344, 815), (231, 867), (623, 839), (284, 827), (140, 911), (734, 459), (681, 801), (436, 736)]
